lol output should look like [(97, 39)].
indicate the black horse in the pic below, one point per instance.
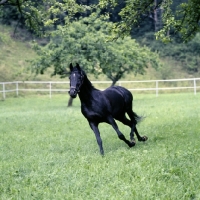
[(104, 106)]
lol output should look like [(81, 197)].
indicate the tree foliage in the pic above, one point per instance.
[(185, 55), (125, 56), (40, 15), (85, 42), (184, 21)]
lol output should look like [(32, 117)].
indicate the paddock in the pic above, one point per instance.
[(48, 151)]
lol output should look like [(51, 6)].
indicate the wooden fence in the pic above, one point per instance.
[(50, 87)]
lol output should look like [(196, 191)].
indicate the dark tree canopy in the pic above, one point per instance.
[(180, 16), (184, 19), (40, 15)]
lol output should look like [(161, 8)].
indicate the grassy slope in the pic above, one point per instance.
[(14, 53), (49, 152)]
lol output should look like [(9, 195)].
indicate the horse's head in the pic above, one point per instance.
[(76, 80)]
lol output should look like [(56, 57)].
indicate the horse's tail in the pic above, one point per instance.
[(137, 117)]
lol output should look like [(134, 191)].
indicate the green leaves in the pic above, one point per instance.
[(131, 16), (184, 21), (126, 56), (86, 42), (41, 15)]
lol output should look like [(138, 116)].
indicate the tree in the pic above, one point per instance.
[(184, 21), (40, 15), (125, 56), (85, 42)]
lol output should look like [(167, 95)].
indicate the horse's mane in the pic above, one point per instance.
[(87, 81)]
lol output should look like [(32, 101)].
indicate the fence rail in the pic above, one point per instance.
[(55, 86)]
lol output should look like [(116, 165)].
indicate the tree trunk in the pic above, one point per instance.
[(70, 102), (113, 82)]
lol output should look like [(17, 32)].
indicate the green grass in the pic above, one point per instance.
[(48, 151)]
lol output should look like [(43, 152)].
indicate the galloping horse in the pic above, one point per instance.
[(104, 106)]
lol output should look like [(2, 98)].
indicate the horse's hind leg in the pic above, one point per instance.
[(120, 135), (133, 118), (140, 138), (128, 122)]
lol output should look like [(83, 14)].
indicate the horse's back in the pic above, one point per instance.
[(115, 92), (120, 99)]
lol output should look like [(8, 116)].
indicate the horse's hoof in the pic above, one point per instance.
[(144, 138), (132, 143)]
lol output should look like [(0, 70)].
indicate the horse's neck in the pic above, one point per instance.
[(86, 91)]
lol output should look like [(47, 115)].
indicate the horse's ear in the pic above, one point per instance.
[(71, 67), (78, 67)]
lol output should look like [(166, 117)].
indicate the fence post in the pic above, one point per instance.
[(17, 89), (50, 90), (156, 88), (4, 92), (195, 87)]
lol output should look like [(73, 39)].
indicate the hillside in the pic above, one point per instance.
[(14, 54)]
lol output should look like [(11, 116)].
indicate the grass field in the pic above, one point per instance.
[(48, 151)]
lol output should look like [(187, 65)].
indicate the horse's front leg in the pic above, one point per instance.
[(95, 128)]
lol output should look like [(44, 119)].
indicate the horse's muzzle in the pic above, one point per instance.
[(73, 93)]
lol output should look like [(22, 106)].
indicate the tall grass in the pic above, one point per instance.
[(48, 151)]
